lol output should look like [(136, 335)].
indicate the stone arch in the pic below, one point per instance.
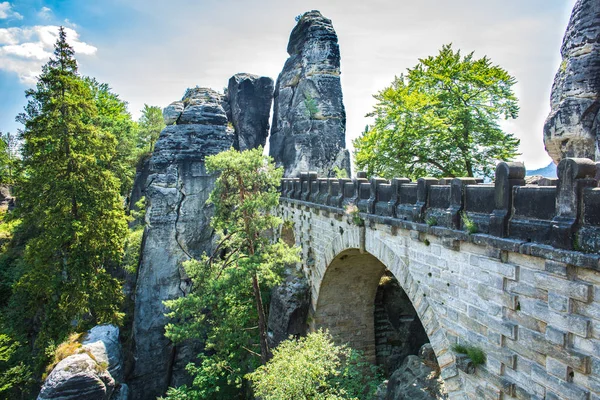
[(345, 302)]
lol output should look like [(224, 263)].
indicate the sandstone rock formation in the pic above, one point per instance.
[(309, 119), (417, 378), (249, 98), (94, 372), (178, 228), (573, 127), (289, 308)]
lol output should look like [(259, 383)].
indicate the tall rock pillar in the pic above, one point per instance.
[(309, 121), (177, 229), (573, 127)]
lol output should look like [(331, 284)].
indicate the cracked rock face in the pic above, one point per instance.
[(177, 229), (309, 119), (573, 127), (249, 97)]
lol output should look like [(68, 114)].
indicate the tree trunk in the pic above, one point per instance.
[(265, 354)]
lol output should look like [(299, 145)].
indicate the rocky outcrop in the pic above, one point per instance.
[(309, 120), (418, 378), (249, 99), (573, 127), (289, 308), (94, 372), (177, 221)]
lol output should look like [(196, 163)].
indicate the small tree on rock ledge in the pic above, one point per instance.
[(441, 119), (226, 305)]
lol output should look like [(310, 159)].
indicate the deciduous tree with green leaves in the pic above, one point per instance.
[(441, 118), (151, 123), (315, 368), (69, 198), (226, 307), (113, 117)]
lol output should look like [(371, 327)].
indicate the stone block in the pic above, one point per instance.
[(538, 342), (563, 321), (556, 336), (557, 368), (560, 387), (557, 302), (556, 268), (575, 290)]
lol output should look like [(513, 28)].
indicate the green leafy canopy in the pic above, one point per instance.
[(226, 306), (441, 119)]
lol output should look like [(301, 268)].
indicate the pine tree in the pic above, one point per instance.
[(70, 199), (226, 305)]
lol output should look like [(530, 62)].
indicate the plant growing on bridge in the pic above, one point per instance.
[(441, 119), (476, 355), (314, 367), (468, 223), (226, 305), (354, 213)]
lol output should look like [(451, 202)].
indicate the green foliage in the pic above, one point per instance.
[(476, 355), (225, 308), (441, 119), (9, 158), (133, 242), (113, 118), (15, 375), (311, 106), (70, 204), (431, 221), (151, 123), (340, 172), (315, 368), (468, 223), (354, 213)]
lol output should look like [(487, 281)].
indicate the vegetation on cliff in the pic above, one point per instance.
[(441, 118), (314, 367), (70, 168), (226, 307)]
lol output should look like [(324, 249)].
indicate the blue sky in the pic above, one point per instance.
[(150, 51)]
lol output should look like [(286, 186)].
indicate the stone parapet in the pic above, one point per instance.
[(562, 213)]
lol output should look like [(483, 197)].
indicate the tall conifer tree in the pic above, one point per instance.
[(71, 200)]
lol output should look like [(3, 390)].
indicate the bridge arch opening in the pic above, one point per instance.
[(362, 303)]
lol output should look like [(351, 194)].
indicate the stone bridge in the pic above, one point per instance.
[(510, 268)]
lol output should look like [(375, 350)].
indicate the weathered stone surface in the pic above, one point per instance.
[(249, 97), (102, 341), (572, 128), (172, 112), (93, 373), (309, 119), (78, 377), (289, 307), (177, 229), (416, 380)]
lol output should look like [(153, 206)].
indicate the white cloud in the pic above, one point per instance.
[(24, 50), (6, 11), (45, 13)]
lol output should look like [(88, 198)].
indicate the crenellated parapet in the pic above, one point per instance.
[(563, 213)]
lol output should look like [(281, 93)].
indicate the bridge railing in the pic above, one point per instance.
[(563, 212)]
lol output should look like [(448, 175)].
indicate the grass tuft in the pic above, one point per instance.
[(476, 355)]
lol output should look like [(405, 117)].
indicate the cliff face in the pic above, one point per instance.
[(177, 218), (178, 228), (309, 119), (249, 98), (572, 128)]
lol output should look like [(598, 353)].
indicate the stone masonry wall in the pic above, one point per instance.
[(532, 308)]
